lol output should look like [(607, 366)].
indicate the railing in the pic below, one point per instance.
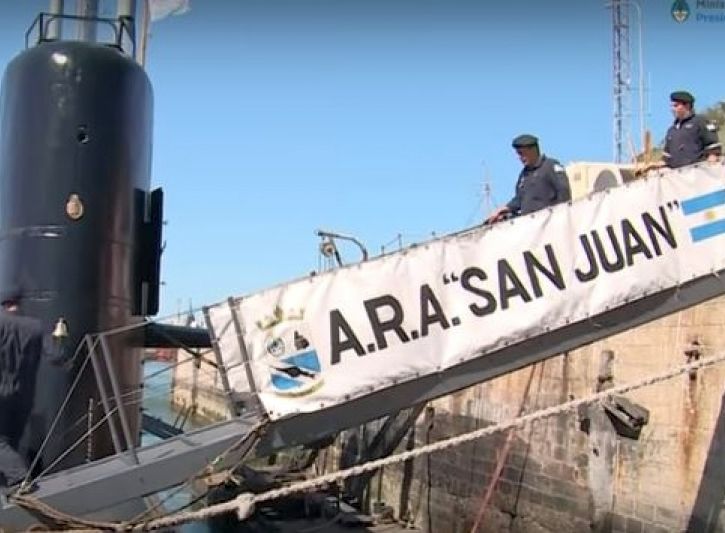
[(49, 27)]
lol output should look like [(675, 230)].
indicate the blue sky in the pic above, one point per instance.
[(373, 118)]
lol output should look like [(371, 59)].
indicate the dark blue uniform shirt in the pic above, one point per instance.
[(543, 184), (690, 140)]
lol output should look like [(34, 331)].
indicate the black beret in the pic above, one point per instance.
[(682, 96), (525, 140)]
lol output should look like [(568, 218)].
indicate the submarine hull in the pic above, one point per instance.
[(75, 167)]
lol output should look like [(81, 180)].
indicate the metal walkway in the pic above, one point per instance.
[(101, 488)]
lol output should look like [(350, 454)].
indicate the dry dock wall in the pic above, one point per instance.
[(555, 477), (197, 385)]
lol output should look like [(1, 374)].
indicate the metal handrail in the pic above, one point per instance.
[(121, 26)]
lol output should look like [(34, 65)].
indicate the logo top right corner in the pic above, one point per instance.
[(680, 10)]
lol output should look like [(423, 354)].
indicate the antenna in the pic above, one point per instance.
[(621, 77), (486, 202), (487, 191), (640, 76)]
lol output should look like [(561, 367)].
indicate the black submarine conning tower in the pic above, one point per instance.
[(79, 228)]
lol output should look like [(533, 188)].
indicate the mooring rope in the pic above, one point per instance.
[(243, 505)]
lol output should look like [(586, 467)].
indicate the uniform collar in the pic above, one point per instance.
[(538, 163), (682, 121)]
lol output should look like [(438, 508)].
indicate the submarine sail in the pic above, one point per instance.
[(79, 228)]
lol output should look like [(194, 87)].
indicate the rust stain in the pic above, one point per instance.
[(456, 403), (690, 408), (690, 425)]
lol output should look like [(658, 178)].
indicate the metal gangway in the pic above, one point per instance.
[(304, 360)]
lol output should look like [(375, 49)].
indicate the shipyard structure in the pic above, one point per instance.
[(648, 460), (582, 467), (559, 371), (581, 470)]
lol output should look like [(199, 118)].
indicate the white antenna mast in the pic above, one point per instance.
[(487, 190)]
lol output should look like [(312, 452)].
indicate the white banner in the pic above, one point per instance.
[(326, 339)]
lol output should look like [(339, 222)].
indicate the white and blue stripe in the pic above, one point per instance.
[(706, 211)]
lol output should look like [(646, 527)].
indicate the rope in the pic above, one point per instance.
[(27, 484), (518, 422), (138, 391), (252, 438), (58, 517), (243, 505), (58, 414)]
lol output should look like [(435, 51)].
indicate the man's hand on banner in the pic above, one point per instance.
[(502, 213)]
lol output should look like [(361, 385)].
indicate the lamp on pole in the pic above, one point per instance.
[(328, 248)]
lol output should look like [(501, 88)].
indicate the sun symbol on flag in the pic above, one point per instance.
[(704, 213)]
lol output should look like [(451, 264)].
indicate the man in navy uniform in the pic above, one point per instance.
[(542, 182), (691, 138), (23, 342)]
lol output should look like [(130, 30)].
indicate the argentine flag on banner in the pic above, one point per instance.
[(706, 215)]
